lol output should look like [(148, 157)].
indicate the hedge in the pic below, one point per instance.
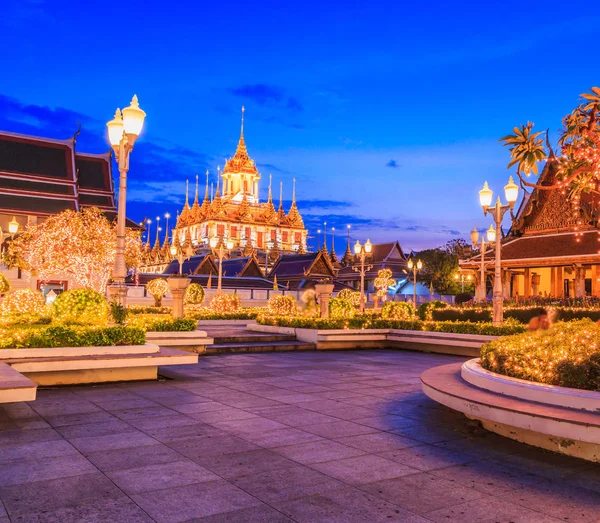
[(523, 315), (566, 355), (70, 336)]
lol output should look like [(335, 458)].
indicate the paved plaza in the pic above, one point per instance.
[(277, 437)]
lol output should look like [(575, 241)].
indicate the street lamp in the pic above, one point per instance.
[(462, 280), (491, 238), (269, 247), (123, 131), (415, 267), (361, 251), (511, 193), (177, 252), (13, 226), (214, 241)]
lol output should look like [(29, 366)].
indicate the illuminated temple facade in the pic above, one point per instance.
[(235, 212)]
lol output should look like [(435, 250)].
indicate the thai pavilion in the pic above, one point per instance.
[(235, 212), (552, 248)]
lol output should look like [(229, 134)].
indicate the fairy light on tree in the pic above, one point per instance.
[(78, 245), (383, 282)]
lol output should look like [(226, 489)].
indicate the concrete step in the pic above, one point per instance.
[(14, 386), (272, 346), (252, 338)]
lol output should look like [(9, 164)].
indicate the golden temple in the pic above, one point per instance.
[(236, 212)]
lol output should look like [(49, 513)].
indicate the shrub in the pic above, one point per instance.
[(397, 310), (194, 294), (352, 296), (4, 285), (281, 305), (157, 289), (144, 309), (340, 308), (83, 306), (206, 313), (567, 355), (463, 297), (23, 306), (426, 309), (170, 325), (118, 312), (70, 336), (224, 303)]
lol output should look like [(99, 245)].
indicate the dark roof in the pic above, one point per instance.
[(565, 247), (386, 251), (297, 265), (227, 282), (383, 256), (40, 206), (190, 265), (94, 172)]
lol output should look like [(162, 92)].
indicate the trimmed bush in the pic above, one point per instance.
[(80, 306), (118, 312), (225, 303), (157, 288), (567, 355), (4, 284), (143, 309), (463, 297), (397, 310), (23, 305), (426, 309), (352, 296), (281, 305), (194, 294), (70, 336), (340, 308), (172, 325)]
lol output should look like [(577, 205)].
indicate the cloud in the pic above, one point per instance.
[(271, 168), (393, 164), (267, 95)]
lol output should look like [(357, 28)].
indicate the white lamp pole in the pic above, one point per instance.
[(361, 251), (123, 131), (511, 192), (415, 267), (221, 252)]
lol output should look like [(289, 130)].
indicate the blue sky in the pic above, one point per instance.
[(387, 113)]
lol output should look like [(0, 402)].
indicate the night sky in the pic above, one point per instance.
[(387, 113)]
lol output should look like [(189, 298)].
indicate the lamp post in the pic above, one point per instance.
[(13, 227), (123, 131), (361, 251), (491, 238), (177, 252), (462, 280), (415, 267), (269, 247), (214, 241), (511, 192)]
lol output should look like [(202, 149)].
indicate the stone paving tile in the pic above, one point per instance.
[(15, 437), (134, 402), (18, 472), (279, 438), (422, 492), (244, 463), (121, 459), (248, 426), (346, 505), (194, 501), (302, 419), (161, 422), (166, 434), (361, 470), (426, 457), (114, 426), (82, 418), (202, 406), (286, 484), (317, 451), (62, 492), (488, 510), (225, 414), (160, 476), (37, 450), (104, 510), (203, 446), (377, 442), (261, 514), (111, 442), (338, 429), (147, 412)]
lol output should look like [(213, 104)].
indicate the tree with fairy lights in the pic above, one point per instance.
[(383, 282), (78, 245), (576, 164)]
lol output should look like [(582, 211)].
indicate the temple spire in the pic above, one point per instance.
[(206, 192), (218, 194), (270, 188), (294, 190), (241, 148), (196, 198), (333, 255), (187, 183), (325, 251), (242, 130), (280, 196)]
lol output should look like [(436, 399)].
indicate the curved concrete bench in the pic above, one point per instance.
[(566, 430), (473, 373)]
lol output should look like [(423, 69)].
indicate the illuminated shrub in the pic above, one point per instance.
[(83, 306), (223, 303), (426, 309), (340, 308), (157, 288), (283, 305), (4, 285), (567, 355), (352, 296), (397, 310), (194, 294), (23, 305)]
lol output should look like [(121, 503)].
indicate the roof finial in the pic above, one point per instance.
[(281, 195), (294, 191), (196, 198), (348, 236), (186, 193), (206, 192), (242, 131), (270, 189), (325, 238), (218, 179)]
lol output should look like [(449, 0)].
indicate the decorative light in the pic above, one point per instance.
[(213, 242), (485, 196), (13, 226), (419, 265), (474, 236), (173, 249), (357, 247), (491, 234), (115, 130), (410, 264), (229, 244), (511, 191), (133, 120), (368, 246)]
